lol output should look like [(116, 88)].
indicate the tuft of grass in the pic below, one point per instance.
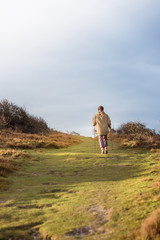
[(8, 161), (6, 166), (53, 139), (150, 228), (14, 153)]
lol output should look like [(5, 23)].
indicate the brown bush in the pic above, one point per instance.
[(135, 128), (135, 134), (150, 228)]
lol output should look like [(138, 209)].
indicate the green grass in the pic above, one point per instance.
[(76, 192)]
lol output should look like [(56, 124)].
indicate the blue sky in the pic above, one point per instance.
[(62, 59)]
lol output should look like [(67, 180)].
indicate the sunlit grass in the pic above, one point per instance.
[(19, 140), (76, 192)]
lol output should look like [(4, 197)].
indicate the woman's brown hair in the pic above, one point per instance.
[(101, 108)]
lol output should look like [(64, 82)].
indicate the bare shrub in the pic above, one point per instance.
[(16, 118), (135, 128), (135, 134)]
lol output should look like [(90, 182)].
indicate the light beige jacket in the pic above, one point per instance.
[(102, 122)]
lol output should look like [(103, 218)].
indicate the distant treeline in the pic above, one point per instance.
[(17, 118)]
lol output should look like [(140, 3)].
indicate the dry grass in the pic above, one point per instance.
[(12, 143), (18, 140), (7, 163), (6, 166), (139, 140), (14, 153), (150, 228), (135, 134), (156, 184)]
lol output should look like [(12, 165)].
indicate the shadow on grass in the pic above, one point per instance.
[(24, 231), (80, 167)]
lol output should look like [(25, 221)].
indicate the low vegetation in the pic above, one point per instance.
[(17, 118), (150, 228), (77, 193), (21, 132), (8, 161), (14, 145), (136, 134), (53, 139), (6, 166)]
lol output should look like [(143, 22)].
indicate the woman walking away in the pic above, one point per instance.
[(102, 122)]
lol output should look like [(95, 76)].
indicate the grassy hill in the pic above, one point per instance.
[(76, 193), (14, 146)]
